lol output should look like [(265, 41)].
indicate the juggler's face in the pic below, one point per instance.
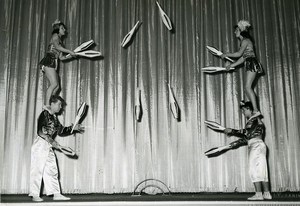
[(56, 107), (237, 32), (246, 112), (62, 30)]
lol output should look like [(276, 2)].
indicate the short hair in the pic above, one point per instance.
[(56, 98), (247, 105), (56, 27)]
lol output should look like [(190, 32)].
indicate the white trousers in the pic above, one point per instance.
[(43, 167), (258, 169)]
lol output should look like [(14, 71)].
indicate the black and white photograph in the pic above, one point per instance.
[(149, 102)]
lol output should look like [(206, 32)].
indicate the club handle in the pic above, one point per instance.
[(231, 60)]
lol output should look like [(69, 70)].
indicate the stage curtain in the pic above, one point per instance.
[(116, 152)]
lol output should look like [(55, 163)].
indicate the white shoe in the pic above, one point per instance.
[(60, 197), (256, 197), (267, 196), (37, 199)]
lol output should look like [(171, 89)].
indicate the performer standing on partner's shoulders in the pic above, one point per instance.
[(55, 51), (247, 56)]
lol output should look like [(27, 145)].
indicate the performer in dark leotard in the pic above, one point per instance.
[(50, 62), (247, 56)]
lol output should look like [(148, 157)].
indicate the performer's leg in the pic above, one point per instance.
[(257, 167), (266, 188), (53, 78), (39, 154), (250, 77), (258, 186), (50, 176), (51, 181), (258, 192)]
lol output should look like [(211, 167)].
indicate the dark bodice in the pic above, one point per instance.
[(254, 128), (49, 126)]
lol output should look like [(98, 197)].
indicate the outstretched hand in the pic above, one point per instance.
[(227, 131), (228, 65), (55, 145), (217, 151), (73, 54), (222, 148), (79, 129), (223, 56)]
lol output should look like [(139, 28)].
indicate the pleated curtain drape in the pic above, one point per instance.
[(116, 152)]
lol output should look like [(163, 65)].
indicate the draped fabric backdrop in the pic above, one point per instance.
[(116, 152)]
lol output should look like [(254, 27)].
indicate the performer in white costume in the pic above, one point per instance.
[(252, 135), (43, 160)]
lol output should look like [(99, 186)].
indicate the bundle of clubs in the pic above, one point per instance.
[(213, 69), (81, 50), (79, 117), (216, 127)]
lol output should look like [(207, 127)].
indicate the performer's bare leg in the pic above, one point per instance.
[(52, 76), (250, 77)]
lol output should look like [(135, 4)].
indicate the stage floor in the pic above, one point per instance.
[(178, 199)]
